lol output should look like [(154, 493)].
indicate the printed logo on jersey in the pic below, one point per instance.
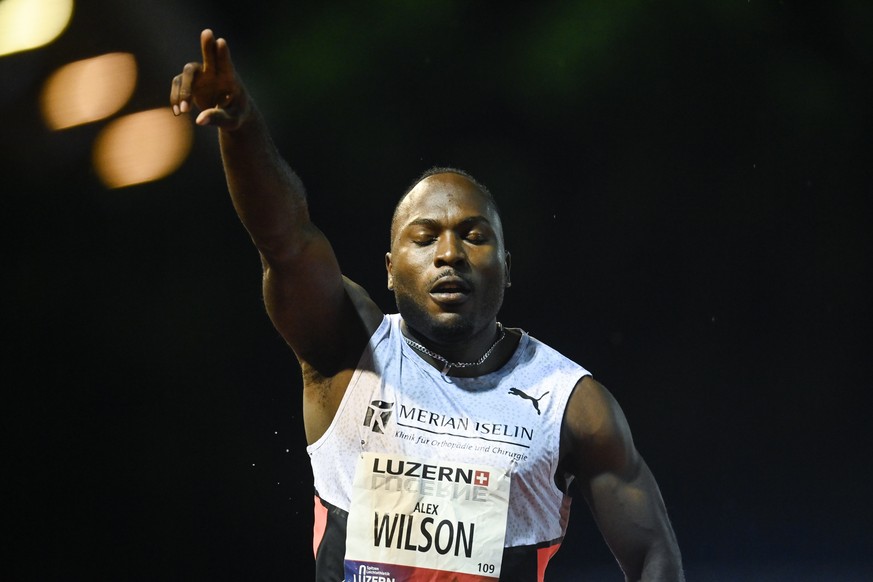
[(534, 401), (367, 573), (378, 414), (437, 425)]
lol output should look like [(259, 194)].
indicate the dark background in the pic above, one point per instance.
[(686, 192)]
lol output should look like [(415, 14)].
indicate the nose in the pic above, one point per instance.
[(449, 250)]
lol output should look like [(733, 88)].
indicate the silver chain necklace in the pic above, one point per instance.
[(447, 364)]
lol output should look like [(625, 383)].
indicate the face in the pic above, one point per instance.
[(447, 267)]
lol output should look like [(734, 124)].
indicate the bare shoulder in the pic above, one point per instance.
[(591, 409), (595, 434)]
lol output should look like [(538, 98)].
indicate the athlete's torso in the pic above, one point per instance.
[(399, 407)]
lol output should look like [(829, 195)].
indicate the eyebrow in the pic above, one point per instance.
[(432, 223)]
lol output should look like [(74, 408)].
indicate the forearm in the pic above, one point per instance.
[(632, 517), (641, 539), (266, 193), (634, 521), (663, 564)]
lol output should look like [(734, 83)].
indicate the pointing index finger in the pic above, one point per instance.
[(207, 47)]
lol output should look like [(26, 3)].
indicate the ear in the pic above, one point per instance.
[(389, 271), (507, 264)]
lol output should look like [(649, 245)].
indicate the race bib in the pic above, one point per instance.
[(425, 521)]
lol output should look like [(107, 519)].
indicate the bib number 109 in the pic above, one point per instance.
[(486, 568)]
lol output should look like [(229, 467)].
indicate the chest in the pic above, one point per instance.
[(424, 419)]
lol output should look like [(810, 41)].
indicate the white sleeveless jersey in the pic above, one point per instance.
[(397, 403)]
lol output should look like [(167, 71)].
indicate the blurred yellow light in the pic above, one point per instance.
[(88, 90), (142, 147), (29, 24)]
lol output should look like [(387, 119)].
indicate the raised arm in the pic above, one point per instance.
[(624, 498), (324, 318)]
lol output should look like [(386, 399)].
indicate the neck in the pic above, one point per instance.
[(476, 359)]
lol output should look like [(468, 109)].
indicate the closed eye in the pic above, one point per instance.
[(423, 238)]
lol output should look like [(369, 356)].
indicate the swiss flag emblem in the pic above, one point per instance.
[(481, 478)]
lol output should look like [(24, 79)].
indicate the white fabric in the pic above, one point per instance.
[(397, 403)]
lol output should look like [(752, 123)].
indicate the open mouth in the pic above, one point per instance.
[(450, 290)]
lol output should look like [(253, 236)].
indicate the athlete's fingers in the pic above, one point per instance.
[(174, 94), (203, 118), (207, 47), (186, 85), (187, 79), (223, 62), (215, 116)]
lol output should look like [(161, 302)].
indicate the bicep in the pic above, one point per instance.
[(596, 437)]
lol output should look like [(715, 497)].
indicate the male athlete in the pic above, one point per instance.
[(442, 443)]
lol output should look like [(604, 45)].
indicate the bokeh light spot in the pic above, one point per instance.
[(142, 147), (30, 24), (88, 90)]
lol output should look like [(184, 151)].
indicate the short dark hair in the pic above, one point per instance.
[(434, 170)]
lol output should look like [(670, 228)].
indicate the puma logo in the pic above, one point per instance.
[(534, 401)]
